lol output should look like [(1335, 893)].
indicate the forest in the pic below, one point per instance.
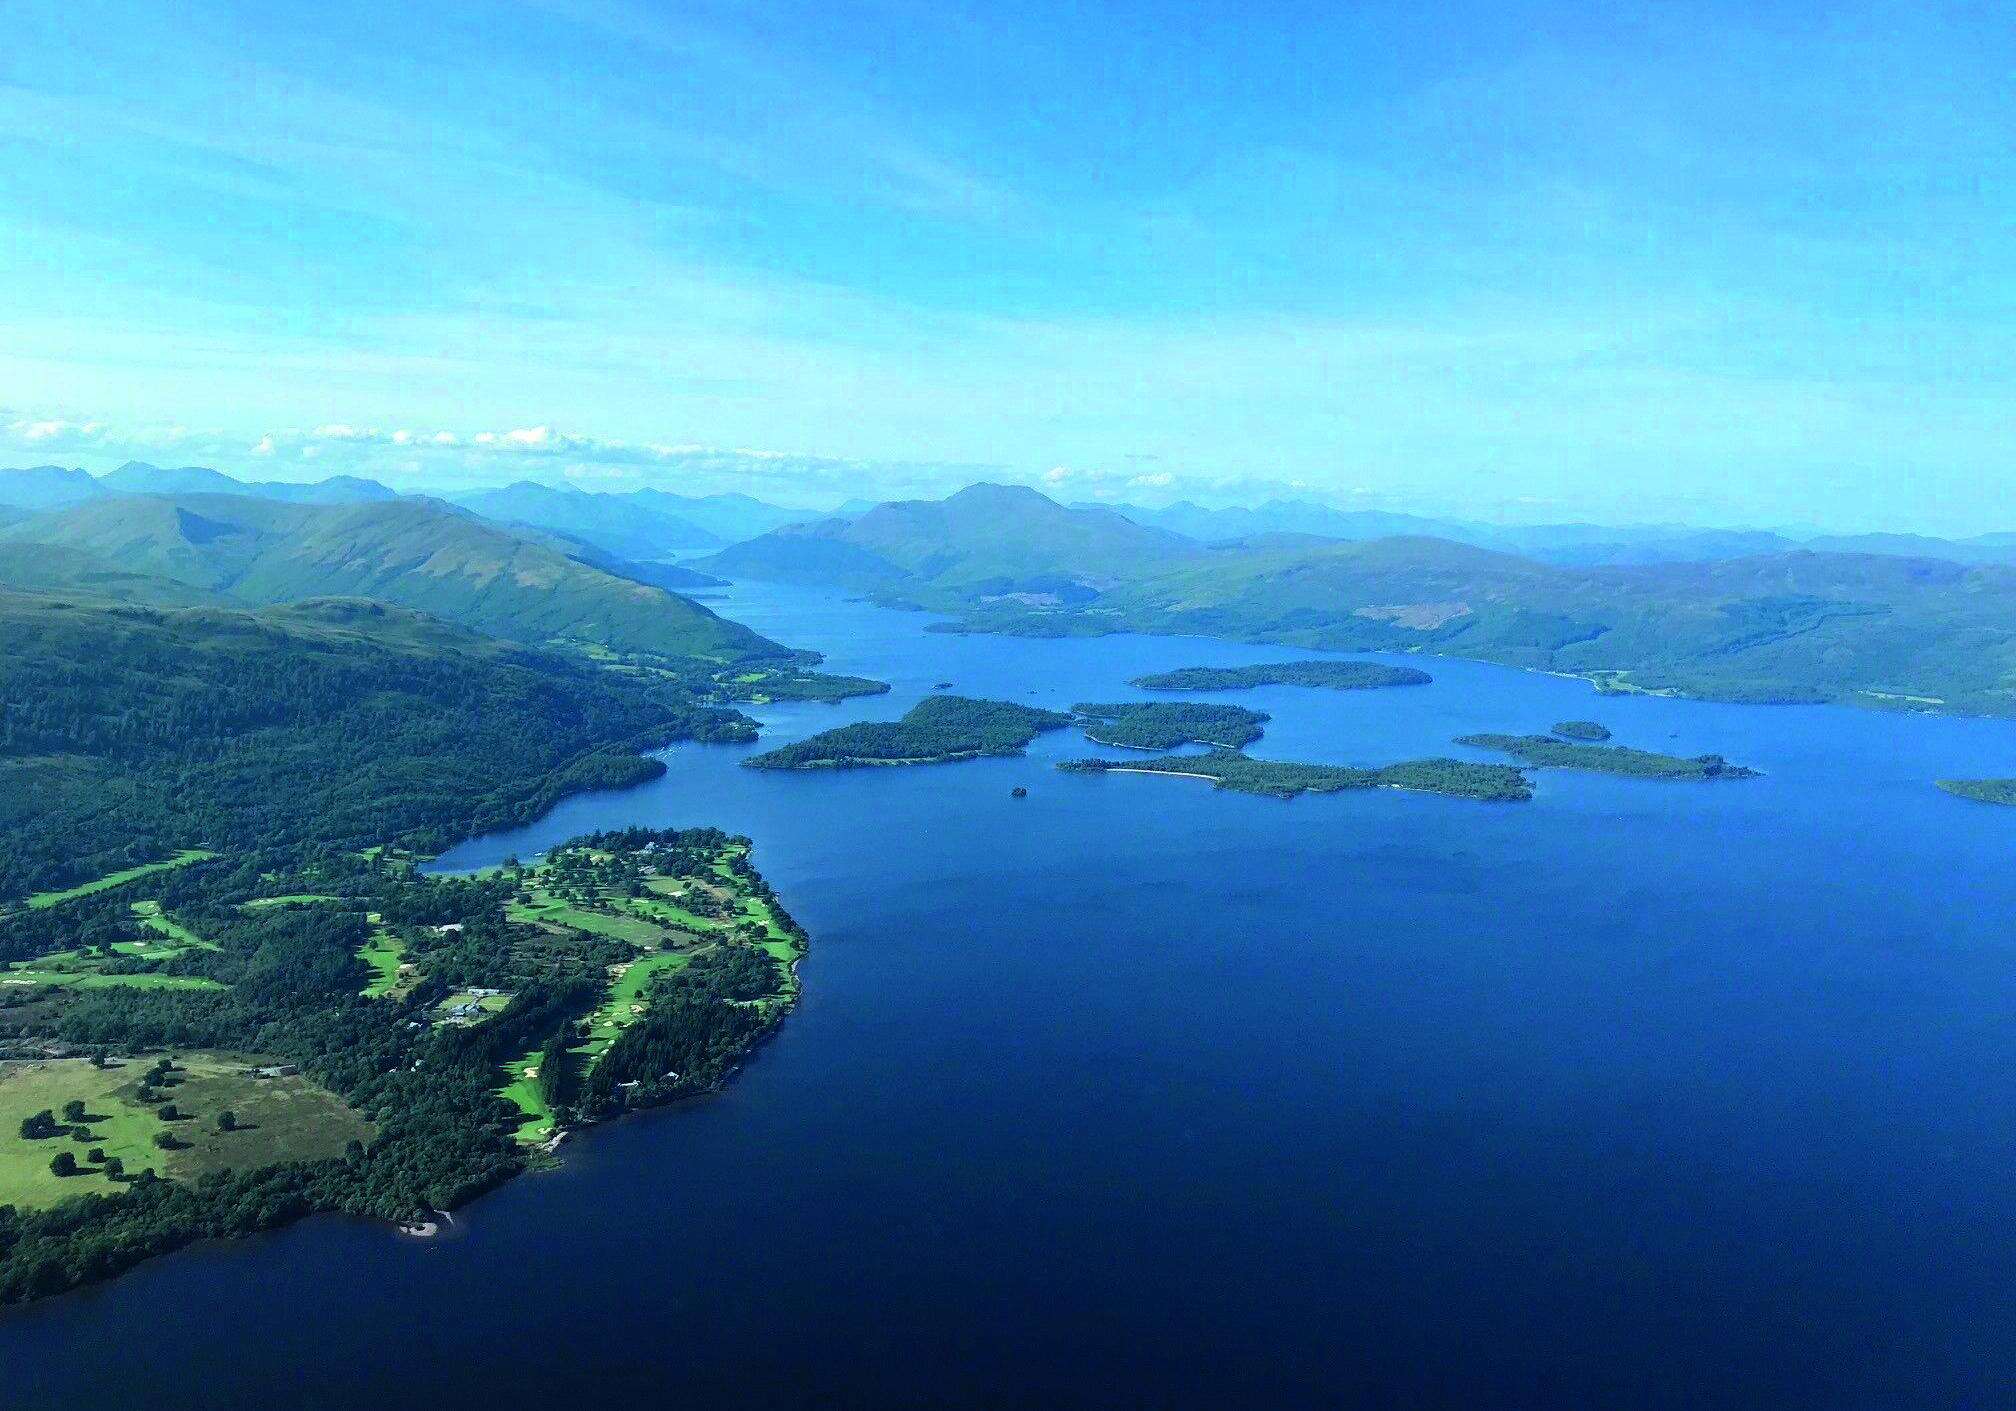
[(1546, 752), (1585, 730), (936, 729), (1330, 675), (1163, 725), (1230, 769), (2001, 791), (132, 732)]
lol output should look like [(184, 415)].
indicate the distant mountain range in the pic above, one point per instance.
[(987, 541), (195, 548), (44, 487), (642, 525), (1871, 626), (1589, 544)]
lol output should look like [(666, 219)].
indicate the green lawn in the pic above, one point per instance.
[(637, 930), (181, 859), (156, 920), (26, 976), (282, 1118), (303, 898), (382, 953), (523, 1092), (646, 922)]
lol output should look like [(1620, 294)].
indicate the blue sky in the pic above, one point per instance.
[(1685, 261)]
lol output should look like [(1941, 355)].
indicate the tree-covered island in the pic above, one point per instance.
[(1163, 725), (936, 730), (1330, 675), (1981, 790), (1230, 769), (1585, 730), (1546, 752)]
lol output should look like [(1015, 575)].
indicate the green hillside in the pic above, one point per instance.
[(1872, 630), (413, 552), (133, 732)]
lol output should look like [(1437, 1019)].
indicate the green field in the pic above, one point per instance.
[(382, 953), (667, 936), (180, 938), (291, 899), (282, 1119), (626, 998), (522, 1091), (39, 973), (638, 930), (105, 883)]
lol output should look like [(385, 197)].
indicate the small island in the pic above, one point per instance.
[(1981, 790), (1330, 675), (1586, 730), (1163, 725), (1546, 752), (1229, 769), (936, 730)]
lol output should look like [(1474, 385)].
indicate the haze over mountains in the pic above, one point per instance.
[(1786, 624), (1880, 619), (413, 552)]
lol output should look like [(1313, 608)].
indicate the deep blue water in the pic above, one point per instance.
[(1137, 1093)]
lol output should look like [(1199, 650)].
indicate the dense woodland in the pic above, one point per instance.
[(1585, 730), (1544, 751), (936, 728), (1229, 769), (1333, 675), (2001, 791), (1163, 725), (132, 732)]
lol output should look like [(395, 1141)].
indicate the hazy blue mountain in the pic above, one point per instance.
[(728, 518), (1984, 549), (1291, 517), (42, 487), (1609, 544), (986, 541), (140, 478), (623, 525)]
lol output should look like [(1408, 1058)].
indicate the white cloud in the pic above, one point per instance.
[(55, 434)]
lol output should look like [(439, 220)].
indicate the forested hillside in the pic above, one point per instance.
[(131, 732), (416, 553), (1873, 629)]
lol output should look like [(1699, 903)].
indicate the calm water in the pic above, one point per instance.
[(1130, 1092)]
